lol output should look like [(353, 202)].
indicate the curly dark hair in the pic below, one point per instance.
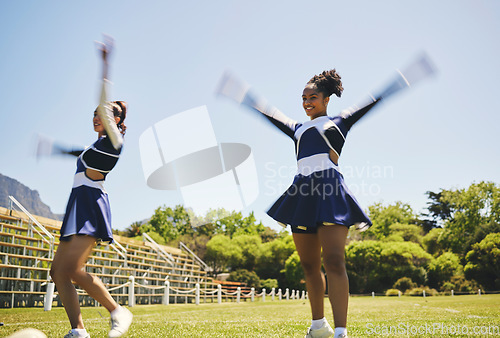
[(328, 83)]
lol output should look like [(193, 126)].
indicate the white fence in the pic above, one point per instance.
[(169, 291)]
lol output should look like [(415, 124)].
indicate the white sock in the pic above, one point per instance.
[(115, 311), (339, 331), (80, 332), (317, 323)]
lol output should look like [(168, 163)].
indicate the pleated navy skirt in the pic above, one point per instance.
[(88, 213), (321, 197)]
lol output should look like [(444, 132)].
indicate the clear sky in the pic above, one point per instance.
[(170, 55)]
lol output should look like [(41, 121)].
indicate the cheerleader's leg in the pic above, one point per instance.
[(309, 250), (333, 240), (67, 266)]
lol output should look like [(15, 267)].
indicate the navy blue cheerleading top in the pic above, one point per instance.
[(100, 156), (318, 194)]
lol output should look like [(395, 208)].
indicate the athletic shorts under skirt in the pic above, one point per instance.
[(88, 213), (318, 198)]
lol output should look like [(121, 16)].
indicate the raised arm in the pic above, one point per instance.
[(46, 146), (235, 89), (273, 114), (353, 114), (104, 110), (416, 71)]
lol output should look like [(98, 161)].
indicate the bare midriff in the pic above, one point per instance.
[(94, 174), (334, 157)]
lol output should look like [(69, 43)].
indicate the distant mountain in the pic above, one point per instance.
[(30, 199)]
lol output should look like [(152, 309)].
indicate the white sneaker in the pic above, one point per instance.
[(342, 335), (121, 319), (74, 334), (324, 332)]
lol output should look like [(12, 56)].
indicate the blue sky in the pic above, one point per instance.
[(170, 55)]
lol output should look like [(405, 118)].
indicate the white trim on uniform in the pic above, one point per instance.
[(82, 179), (102, 152), (311, 164)]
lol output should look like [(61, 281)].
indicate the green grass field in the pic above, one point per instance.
[(443, 316)]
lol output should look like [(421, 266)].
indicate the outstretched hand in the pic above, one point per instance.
[(105, 49), (106, 46)]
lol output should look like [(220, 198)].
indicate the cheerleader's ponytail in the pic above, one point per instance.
[(120, 110)]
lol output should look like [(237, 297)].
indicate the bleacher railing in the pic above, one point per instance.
[(194, 256), (120, 250), (46, 237), (165, 255)]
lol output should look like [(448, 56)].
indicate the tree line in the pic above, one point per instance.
[(453, 245)]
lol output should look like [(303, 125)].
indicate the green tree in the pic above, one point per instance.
[(145, 228), (220, 252), (376, 266), (443, 268), (407, 232), (384, 216), (182, 220), (433, 243), (439, 210), (269, 284), (231, 223), (362, 262), (462, 285), (212, 224), (249, 226), (170, 223), (249, 247), (398, 260), (483, 262), (196, 243), (403, 284), (269, 235), (293, 273), (472, 210), (156, 237), (208, 229), (133, 230), (273, 256), (249, 278), (484, 230)]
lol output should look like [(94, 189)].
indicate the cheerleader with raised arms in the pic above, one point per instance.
[(318, 206), (88, 217)]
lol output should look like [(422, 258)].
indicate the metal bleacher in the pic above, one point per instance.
[(28, 244)]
